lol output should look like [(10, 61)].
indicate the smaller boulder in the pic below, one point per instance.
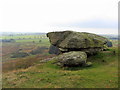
[(72, 59)]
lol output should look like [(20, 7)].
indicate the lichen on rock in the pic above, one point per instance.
[(73, 44), (73, 58)]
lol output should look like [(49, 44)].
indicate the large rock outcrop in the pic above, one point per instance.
[(77, 41), (74, 47)]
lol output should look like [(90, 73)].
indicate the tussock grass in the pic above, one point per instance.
[(102, 74)]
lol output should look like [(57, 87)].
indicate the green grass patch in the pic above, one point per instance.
[(48, 75)]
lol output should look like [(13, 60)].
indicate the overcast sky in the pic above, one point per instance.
[(94, 16)]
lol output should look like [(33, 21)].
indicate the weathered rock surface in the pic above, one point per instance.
[(75, 46), (77, 41), (73, 58)]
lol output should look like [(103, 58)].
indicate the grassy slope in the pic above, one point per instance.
[(47, 75)]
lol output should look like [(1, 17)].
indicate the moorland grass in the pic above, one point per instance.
[(102, 74)]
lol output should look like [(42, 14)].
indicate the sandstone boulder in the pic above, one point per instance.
[(71, 59), (77, 41)]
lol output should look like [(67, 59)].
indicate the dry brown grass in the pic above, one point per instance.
[(23, 62)]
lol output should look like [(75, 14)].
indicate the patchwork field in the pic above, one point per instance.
[(29, 72), (24, 45)]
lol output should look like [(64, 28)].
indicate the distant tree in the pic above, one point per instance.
[(33, 41), (40, 41)]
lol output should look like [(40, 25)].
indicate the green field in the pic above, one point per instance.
[(29, 72), (22, 36), (24, 42)]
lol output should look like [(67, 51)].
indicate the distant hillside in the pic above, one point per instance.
[(109, 36), (113, 37), (21, 33)]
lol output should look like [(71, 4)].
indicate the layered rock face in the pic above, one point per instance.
[(68, 41), (77, 41)]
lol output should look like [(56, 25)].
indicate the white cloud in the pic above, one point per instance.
[(39, 15)]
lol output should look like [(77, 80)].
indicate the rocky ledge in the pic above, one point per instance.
[(74, 47)]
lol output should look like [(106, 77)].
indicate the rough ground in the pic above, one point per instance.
[(103, 74)]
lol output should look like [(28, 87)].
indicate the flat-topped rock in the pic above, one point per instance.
[(77, 41), (70, 39)]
